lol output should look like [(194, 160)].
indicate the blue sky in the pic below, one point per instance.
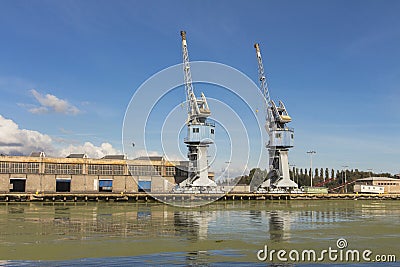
[(334, 63)]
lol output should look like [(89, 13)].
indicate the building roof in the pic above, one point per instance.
[(77, 156), (114, 157), (152, 158), (378, 179), (38, 154)]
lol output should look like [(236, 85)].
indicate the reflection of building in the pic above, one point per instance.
[(193, 223), (377, 185), (77, 173)]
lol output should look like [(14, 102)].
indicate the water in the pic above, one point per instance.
[(220, 234)]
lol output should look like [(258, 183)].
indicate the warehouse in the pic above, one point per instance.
[(77, 173), (377, 185)]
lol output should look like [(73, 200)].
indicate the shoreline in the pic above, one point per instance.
[(177, 197)]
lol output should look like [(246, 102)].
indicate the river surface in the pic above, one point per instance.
[(227, 233)]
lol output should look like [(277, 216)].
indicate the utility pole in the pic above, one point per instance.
[(345, 178), (227, 169), (311, 152)]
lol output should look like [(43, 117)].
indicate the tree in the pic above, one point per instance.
[(326, 174)]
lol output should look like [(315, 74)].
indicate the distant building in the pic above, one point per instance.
[(377, 185), (77, 156), (37, 154), (78, 173)]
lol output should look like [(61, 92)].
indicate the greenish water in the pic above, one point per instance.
[(222, 232)]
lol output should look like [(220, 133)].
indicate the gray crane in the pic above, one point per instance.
[(281, 137), (200, 131)]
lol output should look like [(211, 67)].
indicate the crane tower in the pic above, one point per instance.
[(200, 132), (281, 137)]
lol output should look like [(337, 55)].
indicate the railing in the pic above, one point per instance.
[(284, 129)]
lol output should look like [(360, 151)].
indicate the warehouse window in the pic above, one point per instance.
[(18, 167), (92, 169), (118, 169), (105, 170), (156, 170), (195, 130), (170, 171), (63, 169), (145, 170), (33, 167), (133, 170), (50, 168), (181, 172), (76, 168), (4, 167)]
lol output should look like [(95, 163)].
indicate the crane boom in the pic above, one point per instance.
[(187, 77), (261, 76)]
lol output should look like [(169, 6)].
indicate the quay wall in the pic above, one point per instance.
[(179, 197)]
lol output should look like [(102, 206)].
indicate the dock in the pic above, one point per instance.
[(176, 197)]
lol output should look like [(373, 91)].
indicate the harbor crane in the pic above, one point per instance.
[(200, 131), (281, 137)]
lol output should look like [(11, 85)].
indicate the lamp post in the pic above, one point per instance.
[(227, 168), (311, 174), (345, 178)]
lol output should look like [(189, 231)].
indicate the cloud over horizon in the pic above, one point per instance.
[(51, 103), (90, 150), (16, 141)]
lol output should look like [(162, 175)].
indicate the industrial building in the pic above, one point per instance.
[(377, 185), (77, 173)]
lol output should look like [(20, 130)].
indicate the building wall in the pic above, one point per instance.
[(4, 183), (169, 183), (390, 185), (119, 184), (131, 183), (78, 183), (90, 183), (48, 183), (157, 184), (392, 189), (84, 173), (33, 183)]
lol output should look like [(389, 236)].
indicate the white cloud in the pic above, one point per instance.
[(21, 141), (143, 153), (51, 103), (90, 150), (16, 141)]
